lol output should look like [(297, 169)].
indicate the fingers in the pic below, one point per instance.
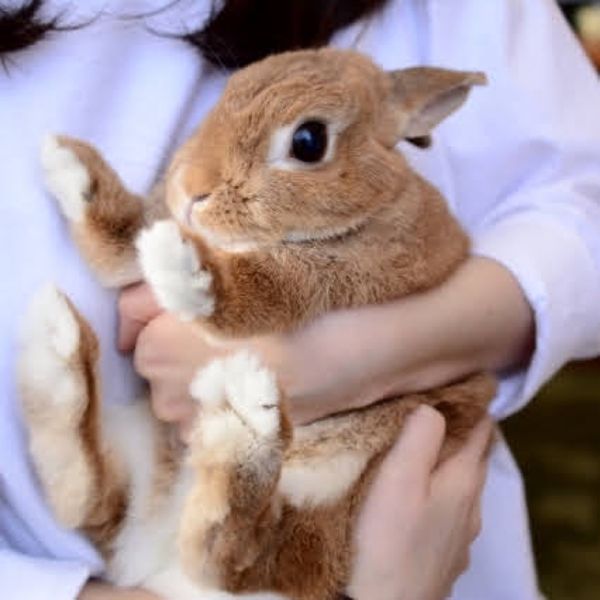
[(479, 445), (176, 408), (425, 524), (159, 359), (480, 441), (460, 479), (475, 521), (171, 405), (416, 452), (137, 307), (462, 564), (475, 450), (167, 354)]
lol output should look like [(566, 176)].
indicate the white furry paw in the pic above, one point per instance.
[(239, 399), (52, 388), (173, 269), (67, 178), (54, 396)]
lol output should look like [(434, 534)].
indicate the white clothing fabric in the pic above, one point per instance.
[(519, 164)]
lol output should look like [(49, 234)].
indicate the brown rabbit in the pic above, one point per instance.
[(290, 200)]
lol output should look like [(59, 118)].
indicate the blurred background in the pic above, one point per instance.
[(556, 441)]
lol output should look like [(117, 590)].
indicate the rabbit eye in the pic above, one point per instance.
[(309, 142)]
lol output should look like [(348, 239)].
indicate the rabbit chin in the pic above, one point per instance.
[(241, 245), (228, 244), (323, 235)]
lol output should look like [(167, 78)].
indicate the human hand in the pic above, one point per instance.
[(420, 517), (317, 377), (436, 520), (103, 591), (348, 358)]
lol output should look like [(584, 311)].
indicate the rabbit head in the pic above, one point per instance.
[(302, 147)]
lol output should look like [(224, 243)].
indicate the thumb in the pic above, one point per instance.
[(414, 456)]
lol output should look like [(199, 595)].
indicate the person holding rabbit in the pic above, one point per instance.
[(521, 177)]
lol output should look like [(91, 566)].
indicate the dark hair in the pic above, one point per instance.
[(244, 31), (238, 33), (21, 27)]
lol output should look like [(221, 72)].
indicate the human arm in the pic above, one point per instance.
[(526, 180), (477, 320), (525, 159)]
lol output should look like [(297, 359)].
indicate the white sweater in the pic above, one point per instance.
[(519, 164)]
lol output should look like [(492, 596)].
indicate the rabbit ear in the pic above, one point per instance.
[(425, 96)]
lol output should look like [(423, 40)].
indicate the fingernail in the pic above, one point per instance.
[(422, 411)]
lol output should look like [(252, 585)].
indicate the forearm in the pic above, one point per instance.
[(477, 320)]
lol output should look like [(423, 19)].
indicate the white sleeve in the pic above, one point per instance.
[(31, 578), (98, 83), (526, 155)]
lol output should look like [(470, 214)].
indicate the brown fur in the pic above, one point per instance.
[(89, 493), (106, 235), (108, 496), (368, 186), (372, 230)]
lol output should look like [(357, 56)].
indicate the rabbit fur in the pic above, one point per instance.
[(255, 240)]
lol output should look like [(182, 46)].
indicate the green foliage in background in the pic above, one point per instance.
[(556, 441)]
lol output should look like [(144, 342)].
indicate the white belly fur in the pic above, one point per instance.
[(145, 552)]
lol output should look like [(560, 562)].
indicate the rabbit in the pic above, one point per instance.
[(291, 199)]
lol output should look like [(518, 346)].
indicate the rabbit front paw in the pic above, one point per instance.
[(173, 268), (67, 177), (104, 217), (235, 451), (240, 405)]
